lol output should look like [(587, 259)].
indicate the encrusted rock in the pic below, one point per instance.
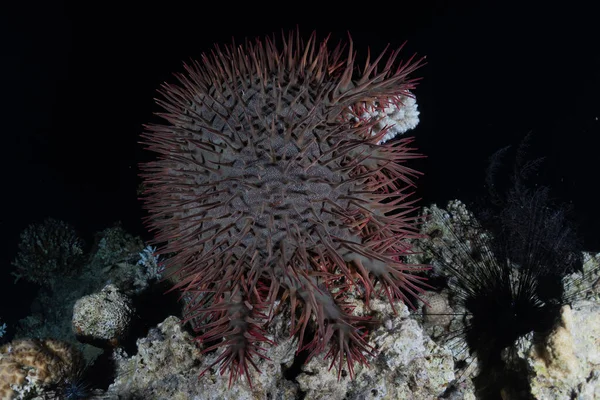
[(166, 359), (408, 365), (567, 363), (102, 318), (168, 364)]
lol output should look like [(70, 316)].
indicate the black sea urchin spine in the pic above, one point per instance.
[(270, 185), (506, 271)]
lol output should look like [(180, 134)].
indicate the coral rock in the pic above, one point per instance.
[(29, 365), (102, 318)]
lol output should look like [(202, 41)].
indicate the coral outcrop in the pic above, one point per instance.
[(29, 366)]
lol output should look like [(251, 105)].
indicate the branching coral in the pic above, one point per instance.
[(48, 251)]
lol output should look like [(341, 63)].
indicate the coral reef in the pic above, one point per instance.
[(508, 276), (114, 246), (115, 258), (118, 258), (102, 318), (568, 359), (166, 364), (29, 366), (165, 358), (551, 363), (414, 355), (48, 252), (408, 365)]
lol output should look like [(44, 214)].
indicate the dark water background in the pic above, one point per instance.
[(78, 81)]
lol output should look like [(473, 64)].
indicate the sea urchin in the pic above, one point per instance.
[(275, 181)]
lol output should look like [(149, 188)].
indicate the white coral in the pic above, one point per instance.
[(150, 260), (398, 116)]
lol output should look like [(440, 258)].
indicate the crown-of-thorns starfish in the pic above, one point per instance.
[(273, 182)]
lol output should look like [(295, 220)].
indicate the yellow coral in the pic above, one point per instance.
[(26, 364)]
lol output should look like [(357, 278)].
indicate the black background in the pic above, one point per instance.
[(78, 81)]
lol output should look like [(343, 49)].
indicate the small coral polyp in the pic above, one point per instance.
[(265, 189)]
